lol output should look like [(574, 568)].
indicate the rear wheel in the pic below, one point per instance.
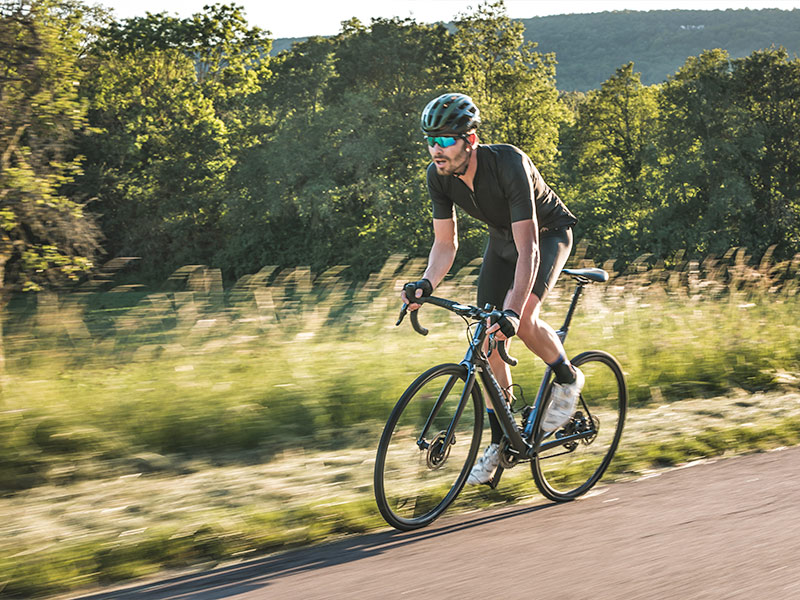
[(418, 472), (569, 461)]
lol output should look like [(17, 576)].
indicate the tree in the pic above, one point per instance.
[(706, 204), (610, 150), (170, 99), (768, 86), (46, 234), (512, 84), (339, 174)]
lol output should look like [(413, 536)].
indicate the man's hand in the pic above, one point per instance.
[(506, 326), (423, 287)]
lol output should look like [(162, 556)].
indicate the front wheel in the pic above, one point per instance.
[(569, 461), (428, 447)]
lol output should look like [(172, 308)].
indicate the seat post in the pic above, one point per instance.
[(571, 311)]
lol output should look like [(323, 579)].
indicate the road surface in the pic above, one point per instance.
[(726, 529)]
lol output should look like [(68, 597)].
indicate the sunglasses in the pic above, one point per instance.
[(443, 141)]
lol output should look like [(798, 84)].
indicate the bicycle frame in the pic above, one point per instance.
[(461, 408), (521, 442)]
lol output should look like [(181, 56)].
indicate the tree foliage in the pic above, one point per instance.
[(729, 154), (169, 101), (705, 162), (608, 162), (200, 147), (45, 232), (512, 83)]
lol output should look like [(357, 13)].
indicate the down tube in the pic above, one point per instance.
[(505, 416)]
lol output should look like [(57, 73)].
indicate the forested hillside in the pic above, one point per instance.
[(181, 141), (590, 47)]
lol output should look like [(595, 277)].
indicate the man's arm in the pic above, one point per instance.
[(442, 254), (526, 239), (443, 251)]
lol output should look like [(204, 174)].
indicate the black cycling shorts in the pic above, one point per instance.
[(500, 261)]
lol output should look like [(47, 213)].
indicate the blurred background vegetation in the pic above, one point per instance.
[(201, 245), (143, 430), (278, 361)]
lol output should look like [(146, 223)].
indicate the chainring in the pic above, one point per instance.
[(508, 459)]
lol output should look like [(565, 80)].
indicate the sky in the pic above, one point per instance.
[(287, 18)]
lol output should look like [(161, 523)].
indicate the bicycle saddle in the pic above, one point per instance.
[(598, 275)]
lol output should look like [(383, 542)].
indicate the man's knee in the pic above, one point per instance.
[(530, 328)]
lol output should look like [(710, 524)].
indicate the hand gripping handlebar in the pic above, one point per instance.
[(460, 309)]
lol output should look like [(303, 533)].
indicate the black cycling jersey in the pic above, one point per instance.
[(507, 188)]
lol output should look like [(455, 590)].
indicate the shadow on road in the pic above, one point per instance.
[(240, 578)]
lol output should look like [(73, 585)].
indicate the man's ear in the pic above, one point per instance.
[(472, 140)]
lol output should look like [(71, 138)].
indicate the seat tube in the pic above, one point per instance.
[(565, 327)]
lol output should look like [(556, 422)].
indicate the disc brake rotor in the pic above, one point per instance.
[(437, 453)]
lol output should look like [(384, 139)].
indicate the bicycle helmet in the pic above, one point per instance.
[(450, 114)]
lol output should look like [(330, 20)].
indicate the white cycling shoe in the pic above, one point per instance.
[(563, 402), (485, 466)]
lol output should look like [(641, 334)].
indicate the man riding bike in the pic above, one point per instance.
[(530, 238)]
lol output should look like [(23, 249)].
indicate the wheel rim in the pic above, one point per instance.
[(567, 471), (415, 484)]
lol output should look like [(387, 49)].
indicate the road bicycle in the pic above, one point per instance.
[(433, 435)]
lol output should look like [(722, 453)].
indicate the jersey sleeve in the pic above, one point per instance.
[(517, 180), (443, 207)]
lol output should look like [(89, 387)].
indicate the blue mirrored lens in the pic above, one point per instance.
[(444, 142)]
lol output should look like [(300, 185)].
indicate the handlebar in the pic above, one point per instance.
[(463, 310)]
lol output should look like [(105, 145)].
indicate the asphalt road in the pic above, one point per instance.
[(728, 529)]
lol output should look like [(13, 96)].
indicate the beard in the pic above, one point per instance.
[(454, 166)]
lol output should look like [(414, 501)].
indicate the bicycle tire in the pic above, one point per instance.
[(413, 485), (564, 472)]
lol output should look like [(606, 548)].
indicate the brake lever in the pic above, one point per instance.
[(492, 345), (403, 313)]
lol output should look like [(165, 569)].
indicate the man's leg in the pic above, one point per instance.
[(555, 247), (537, 335), (541, 339)]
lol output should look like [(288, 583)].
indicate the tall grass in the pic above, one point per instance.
[(103, 382)]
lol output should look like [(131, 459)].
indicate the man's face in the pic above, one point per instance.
[(450, 160)]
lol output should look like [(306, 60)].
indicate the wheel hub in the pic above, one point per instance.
[(585, 424), (437, 452)]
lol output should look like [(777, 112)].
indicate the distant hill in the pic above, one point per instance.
[(590, 47), (281, 44)]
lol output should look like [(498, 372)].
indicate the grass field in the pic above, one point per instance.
[(141, 431)]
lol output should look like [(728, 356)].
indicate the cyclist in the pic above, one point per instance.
[(530, 238)]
